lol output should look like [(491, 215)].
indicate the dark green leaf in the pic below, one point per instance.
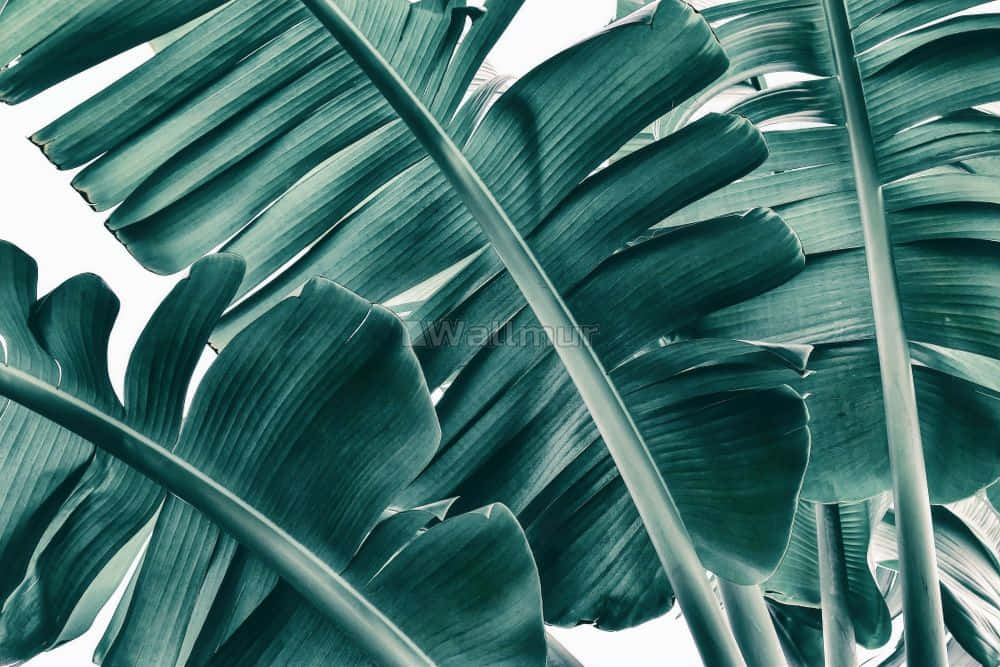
[(450, 566), (74, 568), (291, 416), (966, 539), (797, 579)]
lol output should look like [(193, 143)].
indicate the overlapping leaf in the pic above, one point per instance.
[(71, 510), (800, 631), (247, 133), (320, 403), (485, 546), (274, 150), (924, 84), (796, 581), (515, 430), (46, 42), (965, 536)]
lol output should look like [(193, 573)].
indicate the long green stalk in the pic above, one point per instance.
[(838, 628), (922, 615), (752, 625), (628, 449), (309, 575)]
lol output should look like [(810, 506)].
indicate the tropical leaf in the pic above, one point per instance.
[(479, 546), (966, 541), (46, 42), (287, 419), (283, 145), (797, 581), (943, 218), (515, 430), (264, 141), (900, 242), (966, 538), (230, 151), (70, 511)]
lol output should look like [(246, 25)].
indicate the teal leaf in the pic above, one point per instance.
[(796, 581), (284, 441)]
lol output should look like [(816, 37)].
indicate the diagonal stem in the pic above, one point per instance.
[(302, 569), (922, 615), (628, 449), (752, 625)]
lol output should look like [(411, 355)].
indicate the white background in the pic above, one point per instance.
[(43, 216)]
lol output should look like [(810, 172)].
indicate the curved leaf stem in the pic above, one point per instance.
[(628, 449), (838, 628), (922, 615), (752, 625), (302, 569)]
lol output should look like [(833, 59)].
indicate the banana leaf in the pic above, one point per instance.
[(923, 85), (796, 582), (273, 143), (800, 631), (900, 239), (966, 541), (297, 413), (965, 536)]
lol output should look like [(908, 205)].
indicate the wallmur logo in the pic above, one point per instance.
[(446, 333)]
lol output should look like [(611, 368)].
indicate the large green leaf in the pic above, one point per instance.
[(800, 631), (96, 512), (271, 167), (845, 402), (609, 209), (514, 429), (530, 151), (966, 539), (46, 42), (660, 285), (291, 416), (899, 237), (735, 499), (328, 417), (963, 551), (796, 581), (479, 547), (241, 140), (972, 575), (38, 481), (922, 83)]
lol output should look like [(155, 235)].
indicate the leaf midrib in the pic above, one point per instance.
[(923, 618)]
